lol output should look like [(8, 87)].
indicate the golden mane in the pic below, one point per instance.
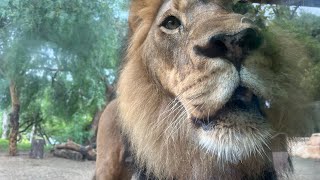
[(148, 111)]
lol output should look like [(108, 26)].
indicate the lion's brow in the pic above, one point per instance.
[(182, 5)]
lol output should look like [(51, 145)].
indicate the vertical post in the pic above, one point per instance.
[(37, 148)]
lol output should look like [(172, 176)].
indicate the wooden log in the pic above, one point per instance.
[(68, 154), (314, 140), (37, 148), (87, 152), (91, 153), (70, 145)]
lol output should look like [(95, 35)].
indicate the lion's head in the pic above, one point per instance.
[(203, 90)]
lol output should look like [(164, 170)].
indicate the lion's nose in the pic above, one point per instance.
[(232, 47)]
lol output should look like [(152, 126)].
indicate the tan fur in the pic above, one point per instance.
[(110, 151), (163, 81)]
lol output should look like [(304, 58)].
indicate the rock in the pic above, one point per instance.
[(313, 146), (314, 140)]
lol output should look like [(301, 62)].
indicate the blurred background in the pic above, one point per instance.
[(58, 68)]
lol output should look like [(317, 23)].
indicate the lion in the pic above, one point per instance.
[(203, 93)]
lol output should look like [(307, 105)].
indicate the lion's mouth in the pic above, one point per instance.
[(242, 101)]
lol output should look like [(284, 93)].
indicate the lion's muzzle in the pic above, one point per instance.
[(242, 100)]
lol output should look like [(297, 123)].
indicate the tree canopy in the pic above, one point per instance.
[(62, 56)]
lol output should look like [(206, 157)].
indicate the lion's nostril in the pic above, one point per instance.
[(219, 46), (232, 47), (215, 48)]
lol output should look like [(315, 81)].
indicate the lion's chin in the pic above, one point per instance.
[(234, 141)]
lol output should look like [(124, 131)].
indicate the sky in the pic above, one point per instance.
[(312, 10)]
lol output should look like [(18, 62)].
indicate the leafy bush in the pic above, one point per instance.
[(24, 146)]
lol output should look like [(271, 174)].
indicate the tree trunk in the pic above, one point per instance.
[(94, 127), (5, 126), (37, 148), (110, 95), (14, 119)]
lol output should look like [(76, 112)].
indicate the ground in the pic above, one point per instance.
[(306, 169), (52, 168)]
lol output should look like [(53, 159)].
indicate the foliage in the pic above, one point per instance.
[(258, 13), (62, 54), (22, 146), (1, 121), (304, 27)]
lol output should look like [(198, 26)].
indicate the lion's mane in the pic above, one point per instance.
[(160, 144)]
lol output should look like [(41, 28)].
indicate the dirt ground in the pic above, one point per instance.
[(306, 169), (51, 168)]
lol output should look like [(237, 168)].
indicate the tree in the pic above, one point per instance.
[(5, 125), (14, 118), (58, 58)]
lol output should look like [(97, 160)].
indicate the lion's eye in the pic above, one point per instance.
[(171, 23)]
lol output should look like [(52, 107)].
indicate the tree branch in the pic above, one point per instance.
[(43, 134), (54, 77), (294, 12), (310, 3), (26, 122), (275, 10), (25, 129), (34, 121)]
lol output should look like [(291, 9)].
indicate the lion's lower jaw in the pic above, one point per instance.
[(233, 147)]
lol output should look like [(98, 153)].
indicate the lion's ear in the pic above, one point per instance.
[(142, 10)]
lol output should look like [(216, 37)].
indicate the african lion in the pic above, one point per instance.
[(202, 94)]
